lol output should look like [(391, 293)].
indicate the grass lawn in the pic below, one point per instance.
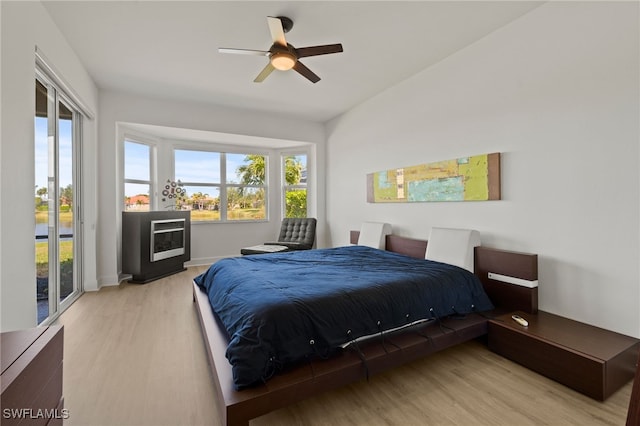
[(43, 217), (238, 214), (42, 255), (42, 248)]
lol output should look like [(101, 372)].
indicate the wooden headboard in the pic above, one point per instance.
[(505, 296)]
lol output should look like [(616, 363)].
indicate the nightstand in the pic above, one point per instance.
[(591, 360)]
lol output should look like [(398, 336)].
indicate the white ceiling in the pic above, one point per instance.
[(168, 49)]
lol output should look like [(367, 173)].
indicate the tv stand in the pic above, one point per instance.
[(155, 244)]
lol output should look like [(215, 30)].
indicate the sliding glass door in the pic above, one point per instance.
[(57, 201)]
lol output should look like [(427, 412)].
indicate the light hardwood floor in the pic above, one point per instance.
[(134, 355)]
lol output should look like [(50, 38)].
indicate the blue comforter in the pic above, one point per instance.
[(284, 307)]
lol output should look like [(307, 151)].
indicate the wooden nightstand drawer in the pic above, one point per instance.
[(589, 359)]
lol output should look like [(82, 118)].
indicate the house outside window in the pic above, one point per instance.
[(138, 193)]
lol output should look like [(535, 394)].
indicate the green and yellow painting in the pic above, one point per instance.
[(474, 178)]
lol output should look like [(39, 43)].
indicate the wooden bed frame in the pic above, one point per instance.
[(307, 379)]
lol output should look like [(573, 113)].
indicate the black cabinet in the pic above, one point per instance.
[(155, 244)]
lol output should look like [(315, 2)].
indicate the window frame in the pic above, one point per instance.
[(153, 179), (223, 185), (185, 147), (59, 93), (264, 187), (286, 187)]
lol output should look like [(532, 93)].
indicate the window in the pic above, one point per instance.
[(137, 176), (58, 230), (295, 185), (197, 174), (246, 189), (217, 186)]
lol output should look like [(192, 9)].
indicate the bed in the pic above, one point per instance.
[(304, 376)]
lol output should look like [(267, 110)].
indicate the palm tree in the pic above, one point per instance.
[(292, 170), (199, 198), (42, 192), (66, 195), (233, 197), (253, 172)]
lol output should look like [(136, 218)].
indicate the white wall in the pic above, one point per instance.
[(557, 93), (26, 25), (208, 241)]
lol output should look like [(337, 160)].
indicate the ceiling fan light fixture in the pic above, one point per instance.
[(282, 55), (283, 61)]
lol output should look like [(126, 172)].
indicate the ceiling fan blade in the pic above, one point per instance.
[(306, 72), (277, 31), (264, 73), (243, 51), (319, 50)]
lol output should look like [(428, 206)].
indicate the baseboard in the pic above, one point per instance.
[(110, 281), (107, 281), (206, 261)]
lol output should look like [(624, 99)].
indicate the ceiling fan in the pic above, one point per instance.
[(282, 55)]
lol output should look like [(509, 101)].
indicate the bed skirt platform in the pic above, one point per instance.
[(307, 379)]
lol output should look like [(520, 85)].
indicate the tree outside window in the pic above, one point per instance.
[(295, 188), (237, 195)]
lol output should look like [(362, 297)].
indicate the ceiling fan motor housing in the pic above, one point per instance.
[(287, 23)]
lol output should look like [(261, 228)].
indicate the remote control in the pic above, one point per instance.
[(523, 322)]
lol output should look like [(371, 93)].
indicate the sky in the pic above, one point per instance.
[(191, 167), (195, 167), (42, 154)]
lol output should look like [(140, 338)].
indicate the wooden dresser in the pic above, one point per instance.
[(31, 363)]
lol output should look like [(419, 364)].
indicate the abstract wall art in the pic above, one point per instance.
[(474, 178)]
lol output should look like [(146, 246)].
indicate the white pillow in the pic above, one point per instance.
[(453, 246), (373, 234)]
